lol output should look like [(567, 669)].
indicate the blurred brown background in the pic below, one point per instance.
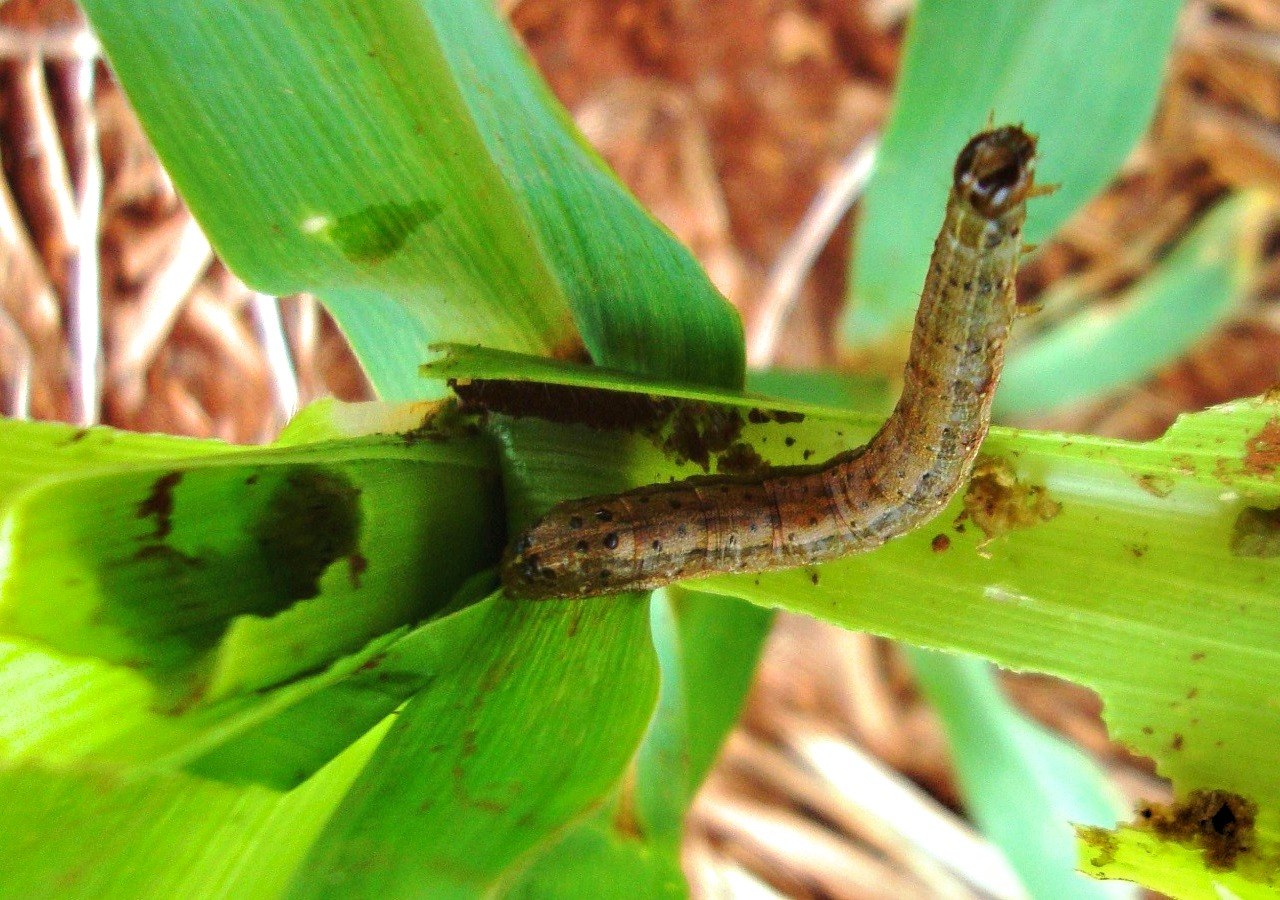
[(727, 119)]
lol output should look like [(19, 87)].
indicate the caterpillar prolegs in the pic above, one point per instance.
[(857, 500)]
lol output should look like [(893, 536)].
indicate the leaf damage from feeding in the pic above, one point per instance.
[(312, 520), (1103, 840), (378, 231), (1262, 451), (1256, 532), (564, 404), (700, 429), (1159, 486), (741, 459), (757, 416), (688, 431), (998, 502), (158, 504), (1219, 823)]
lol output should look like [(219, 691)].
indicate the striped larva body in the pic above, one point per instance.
[(797, 515)]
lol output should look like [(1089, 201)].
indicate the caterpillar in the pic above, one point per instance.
[(796, 515)]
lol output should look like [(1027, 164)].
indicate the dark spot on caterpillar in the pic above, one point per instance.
[(611, 541), (790, 441), (813, 521), (525, 544), (940, 543), (575, 521), (675, 504), (813, 576), (603, 515), (529, 567), (581, 546), (682, 530), (657, 546), (807, 454), (605, 574)]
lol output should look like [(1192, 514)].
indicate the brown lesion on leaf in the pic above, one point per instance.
[(312, 519), (158, 504), (998, 502), (563, 404), (699, 430), (1218, 823), (1103, 840), (1262, 451), (626, 818), (357, 564), (1160, 486), (741, 459), (1256, 532), (757, 416), (570, 348), (686, 430)]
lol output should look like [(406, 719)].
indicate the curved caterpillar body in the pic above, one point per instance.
[(795, 515)]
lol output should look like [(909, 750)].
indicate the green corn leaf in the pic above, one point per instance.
[(465, 751), (1145, 571), (68, 706), (1082, 76), (34, 451), (226, 574), (401, 162), (160, 836), (1023, 785)]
